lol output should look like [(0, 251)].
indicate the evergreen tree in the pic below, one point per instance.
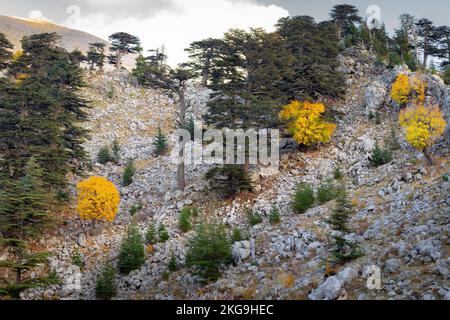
[(122, 44), (163, 234), (44, 120), (344, 16), (132, 251), (229, 180), (96, 55), (203, 57), (5, 52), (151, 235), (208, 251), (426, 33), (314, 50), (23, 215), (442, 36), (160, 143), (106, 287), (343, 250), (128, 173), (77, 57)]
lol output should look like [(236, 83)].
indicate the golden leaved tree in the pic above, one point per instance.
[(305, 122), (98, 199), (405, 89), (423, 127)]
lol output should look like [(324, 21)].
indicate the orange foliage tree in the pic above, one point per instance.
[(98, 199), (305, 122), (423, 127)]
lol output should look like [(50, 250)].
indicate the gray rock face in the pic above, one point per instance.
[(241, 251), (375, 96), (329, 290), (392, 266), (82, 240), (347, 275)]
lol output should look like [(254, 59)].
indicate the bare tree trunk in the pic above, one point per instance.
[(181, 179), (425, 52), (205, 73)]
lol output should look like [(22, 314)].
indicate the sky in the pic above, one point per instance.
[(177, 23)]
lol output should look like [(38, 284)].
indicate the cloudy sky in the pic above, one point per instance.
[(176, 23)]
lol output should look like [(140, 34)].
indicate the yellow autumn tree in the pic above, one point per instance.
[(401, 89), (98, 199), (423, 127), (305, 122), (419, 88)]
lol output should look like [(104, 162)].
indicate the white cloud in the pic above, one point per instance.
[(176, 29), (36, 15)]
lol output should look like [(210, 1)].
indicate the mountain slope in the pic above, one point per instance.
[(16, 28)]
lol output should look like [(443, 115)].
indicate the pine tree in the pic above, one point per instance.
[(96, 55), (229, 180), (151, 235), (130, 170), (122, 44), (132, 251), (5, 52), (106, 287), (208, 251), (23, 215), (203, 57), (344, 16), (163, 234), (45, 121), (426, 33), (313, 64), (343, 249), (160, 143)]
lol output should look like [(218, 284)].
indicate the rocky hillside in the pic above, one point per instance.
[(401, 218), (16, 28)]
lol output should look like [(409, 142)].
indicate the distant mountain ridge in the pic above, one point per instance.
[(16, 28)]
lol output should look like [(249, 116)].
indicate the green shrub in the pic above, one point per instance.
[(254, 218), (237, 235), (166, 276), (392, 141), (77, 258), (377, 118), (371, 115), (135, 209), (184, 220), (160, 143), (446, 76), (445, 178), (338, 174), (116, 151), (326, 192), (173, 266), (163, 234), (208, 250), (151, 236), (303, 198), (104, 156), (274, 216), (132, 251), (128, 174), (62, 196), (380, 156), (229, 180), (106, 287)]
